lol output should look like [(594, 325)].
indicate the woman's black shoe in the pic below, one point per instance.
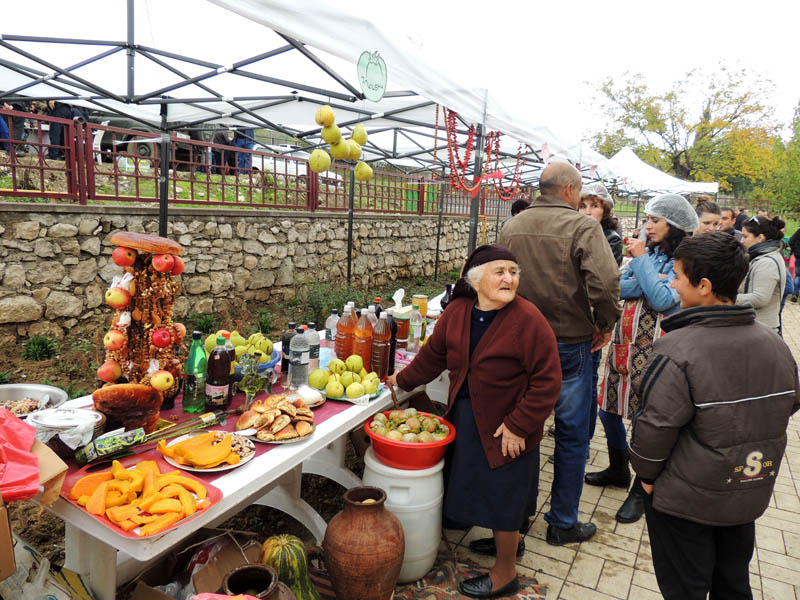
[(486, 546), (617, 474), (481, 587), (633, 507)]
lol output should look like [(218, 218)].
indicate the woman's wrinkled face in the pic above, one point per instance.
[(591, 206), (749, 239), (708, 222), (499, 283), (656, 229)]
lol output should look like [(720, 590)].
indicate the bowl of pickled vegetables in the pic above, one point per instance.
[(408, 439)]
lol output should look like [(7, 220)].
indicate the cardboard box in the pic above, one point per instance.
[(8, 565), (232, 555), (52, 471)]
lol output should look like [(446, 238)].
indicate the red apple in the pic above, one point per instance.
[(109, 371), (163, 263), (178, 268), (114, 340), (162, 380), (180, 330), (117, 297), (161, 338), (124, 257)]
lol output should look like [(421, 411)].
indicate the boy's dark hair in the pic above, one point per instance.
[(718, 257), (728, 209), (770, 228), (519, 206)]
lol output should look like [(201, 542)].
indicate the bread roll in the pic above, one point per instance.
[(279, 423), (286, 433), (146, 243), (247, 419), (303, 428)]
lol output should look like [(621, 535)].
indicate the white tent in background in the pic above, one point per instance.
[(638, 178)]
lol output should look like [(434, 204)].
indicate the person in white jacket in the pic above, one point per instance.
[(763, 286)]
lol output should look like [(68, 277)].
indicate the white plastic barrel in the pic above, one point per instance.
[(415, 498)]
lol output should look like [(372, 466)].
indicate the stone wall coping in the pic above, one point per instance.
[(215, 211)]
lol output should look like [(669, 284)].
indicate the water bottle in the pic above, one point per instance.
[(194, 384), (298, 360), (415, 329), (330, 328), (286, 339), (371, 315), (312, 335)]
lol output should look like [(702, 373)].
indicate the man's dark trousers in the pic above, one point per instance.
[(692, 559)]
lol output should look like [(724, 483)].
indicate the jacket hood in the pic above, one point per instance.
[(764, 248), (722, 315)]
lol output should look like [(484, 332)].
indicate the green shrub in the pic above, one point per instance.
[(205, 322), (5, 377), (39, 347), (266, 319)]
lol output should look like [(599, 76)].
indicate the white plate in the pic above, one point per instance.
[(289, 441), (224, 467), (381, 387)]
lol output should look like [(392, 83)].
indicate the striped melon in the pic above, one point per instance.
[(287, 555)]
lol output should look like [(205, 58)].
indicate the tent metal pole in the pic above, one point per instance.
[(131, 51), (497, 220), (163, 176), (350, 210), (476, 199), (439, 230), (638, 207)]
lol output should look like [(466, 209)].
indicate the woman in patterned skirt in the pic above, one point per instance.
[(645, 288)]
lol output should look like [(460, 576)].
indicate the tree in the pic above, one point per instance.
[(704, 128), (784, 184)]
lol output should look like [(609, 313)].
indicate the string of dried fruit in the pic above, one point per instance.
[(456, 167), (506, 193)]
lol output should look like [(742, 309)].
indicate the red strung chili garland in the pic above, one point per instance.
[(506, 193), (458, 167)]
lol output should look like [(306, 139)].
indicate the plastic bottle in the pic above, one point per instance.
[(381, 347), (330, 328), (312, 335), (218, 382), (298, 360), (433, 316), (362, 340), (194, 369), (344, 334), (415, 329), (378, 308), (286, 338), (372, 315), (229, 347), (393, 344)]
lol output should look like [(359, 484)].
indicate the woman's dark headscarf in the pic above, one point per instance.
[(481, 255)]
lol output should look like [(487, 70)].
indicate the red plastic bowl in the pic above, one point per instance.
[(410, 455)]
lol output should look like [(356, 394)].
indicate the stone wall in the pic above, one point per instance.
[(55, 260)]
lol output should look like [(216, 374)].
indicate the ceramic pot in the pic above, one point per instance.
[(364, 547), (260, 581)]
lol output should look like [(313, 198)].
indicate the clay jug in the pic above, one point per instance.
[(364, 547), (260, 581)]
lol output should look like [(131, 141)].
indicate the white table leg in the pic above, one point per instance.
[(93, 560), (285, 496), (330, 463)]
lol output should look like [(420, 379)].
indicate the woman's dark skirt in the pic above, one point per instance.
[(475, 495)]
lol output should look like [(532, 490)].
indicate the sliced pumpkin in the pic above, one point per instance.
[(118, 471), (206, 457), (188, 503), (119, 485), (145, 504), (148, 465), (203, 504), (165, 506), (83, 500), (190, 484), (233, 459), (116, 498), (160, 524), (122, 513), (137, 480), (85, 486), (198, 441), (143, 519), (127, 525), (97, 501), (149, 484)]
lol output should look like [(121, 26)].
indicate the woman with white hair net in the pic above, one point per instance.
[(645, 286)]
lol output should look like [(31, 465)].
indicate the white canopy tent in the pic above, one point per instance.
[(636, 177)]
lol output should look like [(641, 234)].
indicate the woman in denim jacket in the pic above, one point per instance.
[(645, 288)]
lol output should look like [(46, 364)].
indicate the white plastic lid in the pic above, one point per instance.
[(383, 314), (433, 312)]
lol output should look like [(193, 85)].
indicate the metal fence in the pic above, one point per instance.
[(93, 162)]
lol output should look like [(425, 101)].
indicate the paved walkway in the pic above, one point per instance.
[(616, 562)]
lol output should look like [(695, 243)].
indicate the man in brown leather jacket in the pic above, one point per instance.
[(717, 394), (568, 271)]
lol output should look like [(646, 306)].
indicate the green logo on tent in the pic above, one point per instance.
[(372, 75)]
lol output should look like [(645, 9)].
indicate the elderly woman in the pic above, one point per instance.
[(505, 378), (645, 286)]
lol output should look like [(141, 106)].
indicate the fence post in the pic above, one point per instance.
[(351, 208), (313, 190), (438, 234), (83, 161), (163, 176)]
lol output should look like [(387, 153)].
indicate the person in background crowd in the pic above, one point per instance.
[(709, 439), (709, 215), (504, 381), (223, 160), (766, 278), (741, 218), (62, 111), (645, 286), (794, 247), (18, 125), (727, 220), (597, 203), (569, 273), (517, 207), (244, 138), (4, 134), (762, 212)]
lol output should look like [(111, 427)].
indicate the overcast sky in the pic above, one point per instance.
[(552, 48)]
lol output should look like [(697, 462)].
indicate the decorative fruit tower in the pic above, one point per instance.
[(142, 341)]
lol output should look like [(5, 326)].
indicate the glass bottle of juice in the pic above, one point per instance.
[(286, 339), (393, 343), (362, 340), (218, 380), (230, 348), (381, 347), (194, 384), (415, 329), (344, 334), (403, 324)]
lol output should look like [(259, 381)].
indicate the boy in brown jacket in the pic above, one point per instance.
[(717, 395)]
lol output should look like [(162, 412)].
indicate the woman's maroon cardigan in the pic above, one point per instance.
[(514, 374)]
